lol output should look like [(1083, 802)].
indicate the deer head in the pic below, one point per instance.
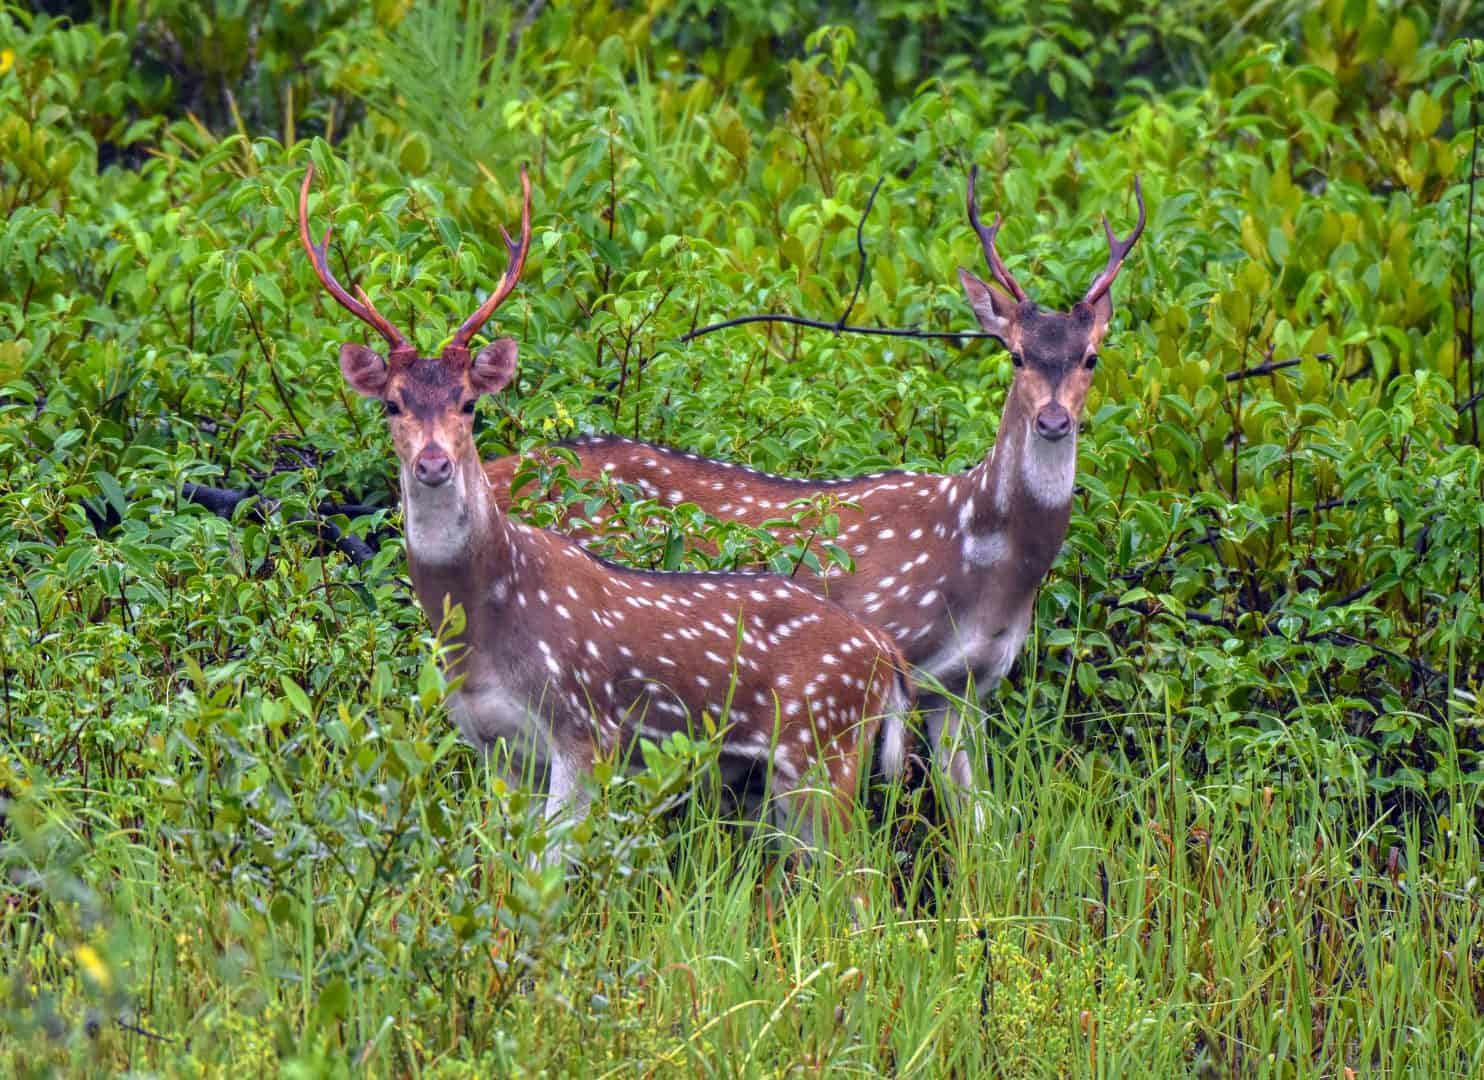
[(429, 401), (1054, 352)]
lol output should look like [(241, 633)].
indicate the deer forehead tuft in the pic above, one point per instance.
[(1053, 340)]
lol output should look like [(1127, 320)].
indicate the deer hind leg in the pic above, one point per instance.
[(821, 811), (891, 753), (951, 753), (809, 813)]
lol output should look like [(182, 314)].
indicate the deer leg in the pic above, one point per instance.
[(808, 814), (811, 806), (945, 728), (566, 794), (945, 731), (506, 762), (797, 811), (827, 804), (789, 814)]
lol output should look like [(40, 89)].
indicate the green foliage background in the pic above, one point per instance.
[(235, 806)]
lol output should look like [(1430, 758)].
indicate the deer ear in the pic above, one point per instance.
[(494, 366), (363, 368), (995, 310)]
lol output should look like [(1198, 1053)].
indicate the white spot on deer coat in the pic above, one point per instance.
[(986, 549)]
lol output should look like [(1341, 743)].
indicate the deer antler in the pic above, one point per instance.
[(362, 309), (1117, 251), (997, 265), (517, 262)]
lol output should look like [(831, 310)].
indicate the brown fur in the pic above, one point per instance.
[(892, 506)]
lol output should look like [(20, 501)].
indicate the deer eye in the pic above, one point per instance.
[(469, 406), (392, 408), (1092, 361), (1017, 359)]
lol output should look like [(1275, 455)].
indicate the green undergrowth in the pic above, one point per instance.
[(341, 890)]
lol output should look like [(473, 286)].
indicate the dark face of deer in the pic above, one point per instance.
[(429, 406), (1054, 353)]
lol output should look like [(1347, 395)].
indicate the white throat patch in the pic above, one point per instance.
[(439, 521), (1048, 469)]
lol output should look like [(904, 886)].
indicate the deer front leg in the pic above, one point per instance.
[(565, 791), (948, 738), (569, 764), (945, 728)]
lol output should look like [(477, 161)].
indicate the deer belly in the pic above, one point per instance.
[(746, 754)]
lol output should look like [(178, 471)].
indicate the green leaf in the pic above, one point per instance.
[(297, 697)]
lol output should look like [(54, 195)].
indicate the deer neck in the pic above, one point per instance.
[(462, 551), (1016, 503)]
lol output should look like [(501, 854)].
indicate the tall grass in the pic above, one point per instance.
[(1111, 914)]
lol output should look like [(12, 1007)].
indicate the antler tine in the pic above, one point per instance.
[(362, 309), (1117, 250), (997, 265), (516, 263)]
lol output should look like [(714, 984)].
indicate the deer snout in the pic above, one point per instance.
[(433, 467), (1053, 422)]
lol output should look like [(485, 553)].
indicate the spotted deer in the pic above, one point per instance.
[(949, 565), (566, 658)]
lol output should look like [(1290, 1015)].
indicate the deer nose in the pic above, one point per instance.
[(1053, 422), (433, 467)]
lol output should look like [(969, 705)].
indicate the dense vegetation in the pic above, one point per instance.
[(1233, 788)]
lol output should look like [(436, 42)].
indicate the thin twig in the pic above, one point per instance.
[(1468, 240), (817, 324), (137, 1030), (860, 246), (839, 326), (1468, 280), (1270, 366), (283, 394)]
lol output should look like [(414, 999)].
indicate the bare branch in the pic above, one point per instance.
[(840, 326), (223, 502), (860, 246), (1470, 343), (1270, 366), (817, 324)]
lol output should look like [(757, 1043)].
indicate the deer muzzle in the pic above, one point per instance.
[(1053, 422), (433, 468)]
